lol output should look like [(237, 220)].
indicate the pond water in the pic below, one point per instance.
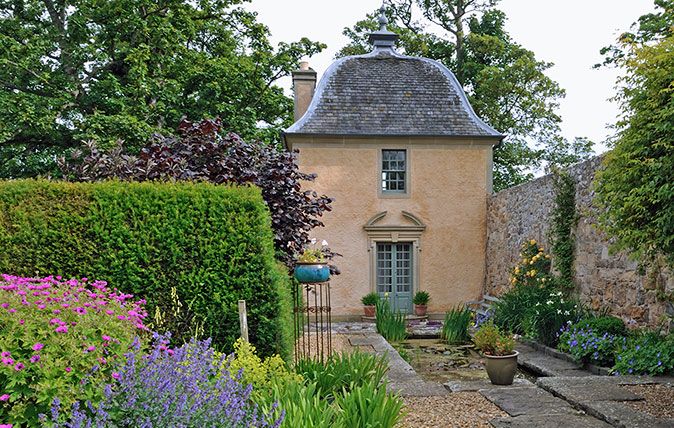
[(436, 361)]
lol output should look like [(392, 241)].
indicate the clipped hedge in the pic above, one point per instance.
[(212, 243)]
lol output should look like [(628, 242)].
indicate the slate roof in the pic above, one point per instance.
[(385, 93)]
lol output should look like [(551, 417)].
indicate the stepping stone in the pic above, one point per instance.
[(361, 341), (549, 366), (476, 385), (602, 397), (556, 421), (530, 401), (619, 415)]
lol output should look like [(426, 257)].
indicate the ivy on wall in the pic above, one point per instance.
[(562, 222)]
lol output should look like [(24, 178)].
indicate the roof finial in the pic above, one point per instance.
[(382, 20), (383, 38)]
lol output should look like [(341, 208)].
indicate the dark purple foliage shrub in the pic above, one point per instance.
[(202, 153), (186, 387)]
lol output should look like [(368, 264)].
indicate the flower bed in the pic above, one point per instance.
[(61, 338)]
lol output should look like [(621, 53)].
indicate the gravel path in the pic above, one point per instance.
[(658, 400), (461, 409)]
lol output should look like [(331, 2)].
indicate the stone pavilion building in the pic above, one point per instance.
[(395, 141)]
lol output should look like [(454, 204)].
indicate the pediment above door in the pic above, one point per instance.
[(394, 227)]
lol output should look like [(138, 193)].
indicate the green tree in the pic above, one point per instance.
[(636, 187), (648, 28), (76, 70), (505, 82)]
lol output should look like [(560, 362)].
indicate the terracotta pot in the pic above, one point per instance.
[(501, 369), (420, 310), (369, 311)]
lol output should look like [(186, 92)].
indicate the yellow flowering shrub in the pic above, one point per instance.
[(533, 267), (262, 374)]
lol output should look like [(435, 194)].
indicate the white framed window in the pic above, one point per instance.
[(394, 171)]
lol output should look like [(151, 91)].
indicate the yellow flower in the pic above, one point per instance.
[(532, 242), (517, 270), (547, 256)]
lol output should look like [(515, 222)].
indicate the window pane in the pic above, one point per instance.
[(393, 170)]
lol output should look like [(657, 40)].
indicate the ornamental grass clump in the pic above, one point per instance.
[(343, 372), (455, 326), (191, 386), (389, 323), (347, 390), (60, 338)]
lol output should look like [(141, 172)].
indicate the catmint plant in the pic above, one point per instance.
[(185, 387)]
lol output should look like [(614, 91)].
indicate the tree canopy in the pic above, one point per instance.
[(636, 187), (78, 70), (505, 82)]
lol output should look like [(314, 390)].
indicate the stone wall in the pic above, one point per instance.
[(603, 280)]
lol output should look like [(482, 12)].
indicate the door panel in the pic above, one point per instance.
[(394, 274)]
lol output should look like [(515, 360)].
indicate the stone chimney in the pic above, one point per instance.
[(304, 84)]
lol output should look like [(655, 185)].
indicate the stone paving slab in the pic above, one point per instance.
[(602, 397), (476, 385), (556, 421), (547, 365), (529, 401), (619, 415), (361, 341)]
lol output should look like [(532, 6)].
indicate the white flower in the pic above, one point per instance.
[(313, 241), (549, 302), (324, 243), (559, 311), (567, 314)]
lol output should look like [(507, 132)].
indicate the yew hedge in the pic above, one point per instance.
[(214, 244)]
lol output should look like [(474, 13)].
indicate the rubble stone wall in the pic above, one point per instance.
[(603, 280)]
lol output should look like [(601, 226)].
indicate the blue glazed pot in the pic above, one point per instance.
[(312, 272)]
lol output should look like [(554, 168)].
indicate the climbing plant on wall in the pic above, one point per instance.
[(562, 222)]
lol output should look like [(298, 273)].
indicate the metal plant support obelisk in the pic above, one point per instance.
[(313, 320)]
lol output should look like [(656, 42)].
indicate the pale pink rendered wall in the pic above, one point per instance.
[(449, 185)]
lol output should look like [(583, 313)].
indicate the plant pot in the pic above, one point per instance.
[(312, 272), (369, 311), (501, 369), (420, 310)]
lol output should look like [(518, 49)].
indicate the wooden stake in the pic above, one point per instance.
[(243, 320)]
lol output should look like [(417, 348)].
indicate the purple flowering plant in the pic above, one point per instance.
[(190, 386), (60, 338), (587, 345), (646, 354)]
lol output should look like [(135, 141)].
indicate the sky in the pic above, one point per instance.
[(568, 33)]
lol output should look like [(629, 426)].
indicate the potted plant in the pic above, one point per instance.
[(499, 350), (311, 264), (369, 302), (420, 301)]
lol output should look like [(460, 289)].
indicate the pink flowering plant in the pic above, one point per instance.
[(60, 338)]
